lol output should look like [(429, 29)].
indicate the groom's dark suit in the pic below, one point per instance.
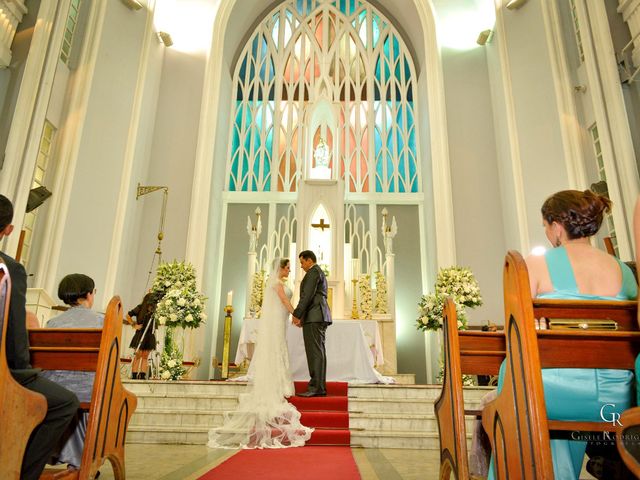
[(313, 311)]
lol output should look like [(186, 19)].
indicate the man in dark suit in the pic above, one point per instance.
[(62, 404), (313, 315)]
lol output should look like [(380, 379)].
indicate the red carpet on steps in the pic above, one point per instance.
[(308, 463), (328, 415)]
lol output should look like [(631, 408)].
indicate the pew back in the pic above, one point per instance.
[(516, 421), (449, 407), (111, 404), (21, 410)]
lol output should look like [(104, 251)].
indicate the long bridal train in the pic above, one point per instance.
[(264, 418)]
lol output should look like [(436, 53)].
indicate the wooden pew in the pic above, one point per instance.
[(21, 410), (516, 421), (111, 405), (481, 353)]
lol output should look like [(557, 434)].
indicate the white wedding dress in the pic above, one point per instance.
[(264, 418)]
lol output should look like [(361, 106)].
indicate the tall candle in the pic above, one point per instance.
[(230, 297), (355, 268)]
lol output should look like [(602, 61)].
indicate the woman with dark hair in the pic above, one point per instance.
[(78, 291), (574, 269), (144, 340)]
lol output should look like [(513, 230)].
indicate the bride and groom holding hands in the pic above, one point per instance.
[(264, 418)]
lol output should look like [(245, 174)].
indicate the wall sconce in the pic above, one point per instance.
[(165, 38), (132, 4), (484, 37), (515, 4)]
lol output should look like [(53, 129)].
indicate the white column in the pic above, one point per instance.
[(11, 13)]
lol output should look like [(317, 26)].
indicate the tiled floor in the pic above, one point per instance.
[(188, 462)]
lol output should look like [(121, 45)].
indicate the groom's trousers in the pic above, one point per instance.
[(314, 338)]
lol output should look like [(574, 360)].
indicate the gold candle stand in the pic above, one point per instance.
[(227, 341), (354, 304)]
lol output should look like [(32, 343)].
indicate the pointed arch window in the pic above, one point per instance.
[(343, 51)]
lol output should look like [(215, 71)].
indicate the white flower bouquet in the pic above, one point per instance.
[(430, 313), (381, 305), (171, 364), (456, 282), (459, 283), (174, 275), (181, 307), (364, 292)]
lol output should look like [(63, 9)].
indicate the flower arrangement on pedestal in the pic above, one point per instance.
[(171, 363), (381, 305), (364, 293), (181, 305), (257, 293), (460, 284), (456, 282)]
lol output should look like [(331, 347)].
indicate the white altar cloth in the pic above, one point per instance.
[(350, 347)]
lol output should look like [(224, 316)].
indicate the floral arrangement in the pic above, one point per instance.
[(381, 305), (181, 304), (171, 363), (431, 307), (459, 283), (174, 275), (456, 282), (181, 307), (364, 291), (257, 293)]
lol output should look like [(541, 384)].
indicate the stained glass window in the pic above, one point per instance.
[(307, 51)]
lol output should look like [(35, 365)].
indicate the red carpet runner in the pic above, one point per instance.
[(330, 417), (308, 463)]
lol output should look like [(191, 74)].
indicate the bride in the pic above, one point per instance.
[(264, 418)]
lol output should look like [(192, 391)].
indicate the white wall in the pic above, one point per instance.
[(96, 180), (477, 203), (542, 159)]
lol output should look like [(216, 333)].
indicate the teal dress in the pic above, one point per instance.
[(578, 394)]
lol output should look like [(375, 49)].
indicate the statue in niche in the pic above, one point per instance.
[(321, 155)]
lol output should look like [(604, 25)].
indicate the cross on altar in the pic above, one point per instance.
[(320, 225)]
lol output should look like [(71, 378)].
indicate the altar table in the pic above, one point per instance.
[(353, 348)]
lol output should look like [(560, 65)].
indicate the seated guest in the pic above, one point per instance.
[(574, 269), (77, 291), (62, 404)]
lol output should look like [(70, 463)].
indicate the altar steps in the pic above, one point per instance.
[(380, 416)]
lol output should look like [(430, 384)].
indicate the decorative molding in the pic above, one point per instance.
[(441, 170), (11, 13), (570, 130), (610, 116), (631, 14), (23, 141), (512, 130), (124, 195), (69, 145)]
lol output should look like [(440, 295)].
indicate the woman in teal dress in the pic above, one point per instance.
[(576, 270)]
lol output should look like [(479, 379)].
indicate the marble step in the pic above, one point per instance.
[(357, 421)]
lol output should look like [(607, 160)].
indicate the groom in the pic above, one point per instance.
[(313, 315)]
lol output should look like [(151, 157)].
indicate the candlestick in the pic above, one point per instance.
[(354, 304), (226, 342), (230, 297), (355, 268)]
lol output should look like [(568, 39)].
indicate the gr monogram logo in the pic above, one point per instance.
[(610, 416)]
